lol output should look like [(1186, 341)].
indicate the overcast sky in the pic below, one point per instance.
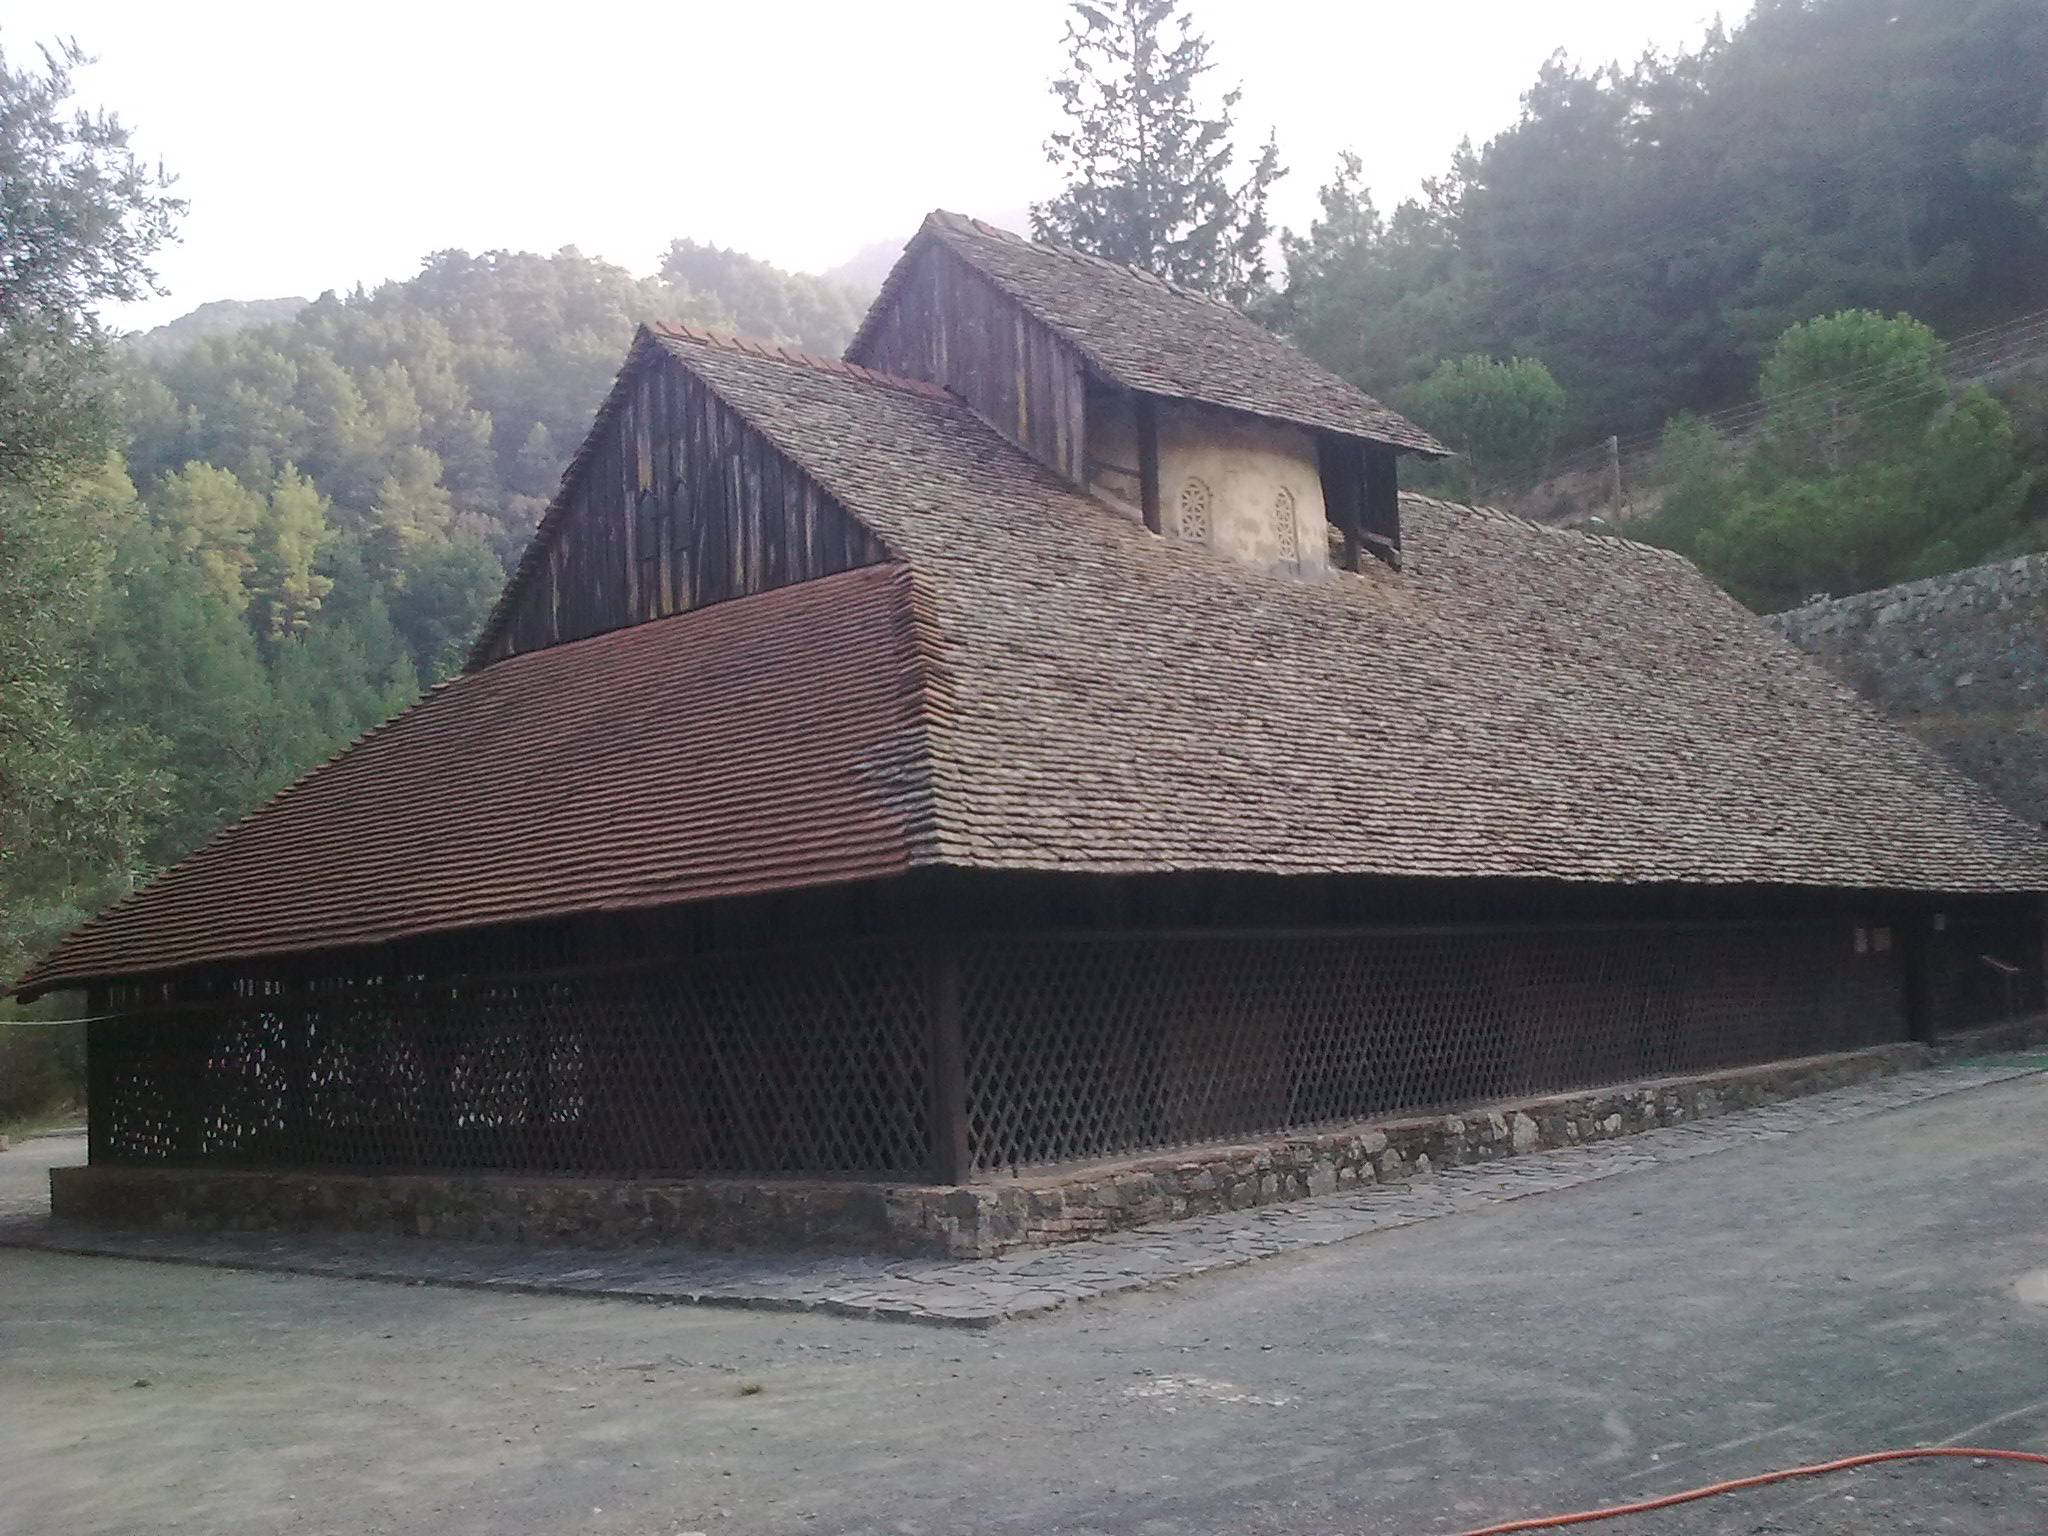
[(321, 146)]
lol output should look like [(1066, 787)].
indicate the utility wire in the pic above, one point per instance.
[(2021, 342)]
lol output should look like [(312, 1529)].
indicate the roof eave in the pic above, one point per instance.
[(1435, 450)]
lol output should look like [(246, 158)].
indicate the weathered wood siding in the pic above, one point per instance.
[(1361, 497), (949, 325), (677, 503)]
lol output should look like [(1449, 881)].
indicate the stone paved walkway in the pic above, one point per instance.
[(979, 1293)]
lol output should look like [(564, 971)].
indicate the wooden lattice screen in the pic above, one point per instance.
[(824, 1060)]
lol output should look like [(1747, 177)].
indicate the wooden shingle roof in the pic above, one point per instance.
[(1033, 682), (1152, 335), (1519, 701)]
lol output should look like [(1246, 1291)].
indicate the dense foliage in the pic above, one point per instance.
[(1147, 176), (80, 217), (243, 544), (1502, 418), (1647, 231), (1657, 238), (1836, 498)]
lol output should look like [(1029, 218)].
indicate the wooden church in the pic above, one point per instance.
[(1044, 737)]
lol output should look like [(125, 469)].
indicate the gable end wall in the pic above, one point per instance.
[(728, 516), (949, 325)]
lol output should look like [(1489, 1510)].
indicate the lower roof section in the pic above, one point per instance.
[(769, 743)]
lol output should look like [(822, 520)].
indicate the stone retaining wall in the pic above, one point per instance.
[(1959, 660), (976, 1220)]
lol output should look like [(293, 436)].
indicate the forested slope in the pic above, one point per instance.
[(305, 521), (1647, 230)]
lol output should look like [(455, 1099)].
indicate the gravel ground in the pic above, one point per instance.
[(1848, 1288)]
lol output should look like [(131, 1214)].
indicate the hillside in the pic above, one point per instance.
[(222, 317), (1647, 230)]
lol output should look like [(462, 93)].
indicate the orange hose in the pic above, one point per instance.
[(1588, 1516)]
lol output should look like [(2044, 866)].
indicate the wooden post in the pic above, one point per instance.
[(99, 1074), (1148, 459), (946, 1065), (2040, 991), (1379, 519), (1914, 924), (1339, 465)]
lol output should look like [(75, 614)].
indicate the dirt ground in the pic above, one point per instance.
[(1847, 1289)]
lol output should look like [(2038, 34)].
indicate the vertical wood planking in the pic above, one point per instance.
[(625, 530), (949, 325), (739, 518)]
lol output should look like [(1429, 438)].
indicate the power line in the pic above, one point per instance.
[(1972, 357)]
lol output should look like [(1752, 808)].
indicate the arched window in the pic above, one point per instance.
[(1284, 537)]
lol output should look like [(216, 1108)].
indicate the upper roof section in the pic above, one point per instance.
[(1148, 334)]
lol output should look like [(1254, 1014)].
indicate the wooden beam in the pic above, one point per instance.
[(1343, 491), (99, 1073), (1915, 934), (1147, 412), (946, 1066), (1379, 523), (2040, 1000)]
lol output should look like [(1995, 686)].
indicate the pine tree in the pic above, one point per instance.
[(287, 588), (1148, 176)]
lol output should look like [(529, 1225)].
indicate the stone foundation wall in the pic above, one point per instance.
[(976, 1220)]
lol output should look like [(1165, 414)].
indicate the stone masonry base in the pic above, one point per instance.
[(975, 1220)]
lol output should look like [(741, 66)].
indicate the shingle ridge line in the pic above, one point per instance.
[(748, 346), (1073, 253), (1556, 530)]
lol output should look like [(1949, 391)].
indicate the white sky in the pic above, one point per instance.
[(324, 145)]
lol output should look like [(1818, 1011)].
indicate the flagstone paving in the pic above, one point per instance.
[(982, 1292)]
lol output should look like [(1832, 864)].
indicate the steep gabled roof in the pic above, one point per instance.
[(1036, 683), (1148, 334), (648, 342)]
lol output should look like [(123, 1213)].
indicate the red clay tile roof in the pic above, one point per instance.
[(1152, 335), (1057, 688), (763, 744)]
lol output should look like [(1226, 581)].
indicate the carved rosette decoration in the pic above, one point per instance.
[(1194, 510)]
